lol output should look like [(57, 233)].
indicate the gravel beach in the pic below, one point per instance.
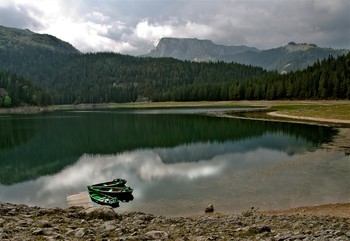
[(20, 222)]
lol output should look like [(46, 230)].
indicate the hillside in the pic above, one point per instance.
[(15, 91), (18, 39), (72, 77), (283, 59), (34, 56)]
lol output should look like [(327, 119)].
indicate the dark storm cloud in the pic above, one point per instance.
[(135, 26), (18, 17)]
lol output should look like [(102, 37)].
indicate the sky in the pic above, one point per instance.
[(135, 26)]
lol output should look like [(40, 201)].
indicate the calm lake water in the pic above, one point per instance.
[(177, 160)]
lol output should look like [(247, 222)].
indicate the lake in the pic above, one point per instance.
[(177, 160)]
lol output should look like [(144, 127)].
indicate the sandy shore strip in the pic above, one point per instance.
[(333, 210), (333, 121)]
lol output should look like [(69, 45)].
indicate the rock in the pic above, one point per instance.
[(100, 212), (109, 226), (80, 233), (257, 230), (69, 232), (159, 235), (209, 209), (2, 221), (38, 231), (45, 224)]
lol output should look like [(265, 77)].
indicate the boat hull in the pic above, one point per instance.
[(103, 199), (122, 194), (118, 182)]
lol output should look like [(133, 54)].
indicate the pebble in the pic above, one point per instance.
[(19, 222), (158, 235), (80, 232), (38, 231)]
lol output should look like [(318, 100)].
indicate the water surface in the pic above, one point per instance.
[(177, 160)]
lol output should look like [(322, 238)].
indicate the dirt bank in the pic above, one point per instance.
[(23, 110), (334, 210), (316, 119)]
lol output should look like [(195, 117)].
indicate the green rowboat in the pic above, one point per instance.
[(123, 194), (118, 182), (103, 199)]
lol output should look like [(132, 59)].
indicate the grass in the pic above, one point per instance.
[(340, 111)]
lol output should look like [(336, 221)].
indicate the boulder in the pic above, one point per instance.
[(209, 209), (99, 212), (80, 232), (158, 235)]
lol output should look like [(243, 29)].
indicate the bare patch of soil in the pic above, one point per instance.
[(334, 210), (307, 118)]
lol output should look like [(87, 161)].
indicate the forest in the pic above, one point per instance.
[(60, 78), (16, 91), (326, 79)]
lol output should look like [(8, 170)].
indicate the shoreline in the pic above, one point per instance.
[(331, 210), (272, 109), (307, 118), (20, 222)]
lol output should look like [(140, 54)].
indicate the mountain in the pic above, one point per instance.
[(18, 39), (34, 56), (68, 76), (283, 59), (195, 50)]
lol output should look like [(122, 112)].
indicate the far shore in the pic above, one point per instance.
[(324, 111)]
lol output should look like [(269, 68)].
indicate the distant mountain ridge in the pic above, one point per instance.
[(18, 39), (288, 58), (195, 50)]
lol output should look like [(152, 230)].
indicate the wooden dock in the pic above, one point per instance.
[(79, 199)]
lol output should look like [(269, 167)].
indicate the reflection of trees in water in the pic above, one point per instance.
[(13, 133), (61, 139)]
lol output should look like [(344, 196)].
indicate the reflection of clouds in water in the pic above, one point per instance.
[(216, 172), (143, 169), (209, 150), (138, 167), (146, 165)]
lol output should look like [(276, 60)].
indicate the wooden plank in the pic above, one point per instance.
[(79, 199)]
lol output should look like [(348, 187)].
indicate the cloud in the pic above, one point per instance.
[(18, 17), (87, 35), (152, 32), (134, 27)]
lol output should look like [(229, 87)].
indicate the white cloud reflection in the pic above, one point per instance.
[(139, 168), (162, 184), (148, 169)]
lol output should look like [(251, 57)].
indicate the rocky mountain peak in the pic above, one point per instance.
[(194, 49), (292, 46), (291, 57)]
